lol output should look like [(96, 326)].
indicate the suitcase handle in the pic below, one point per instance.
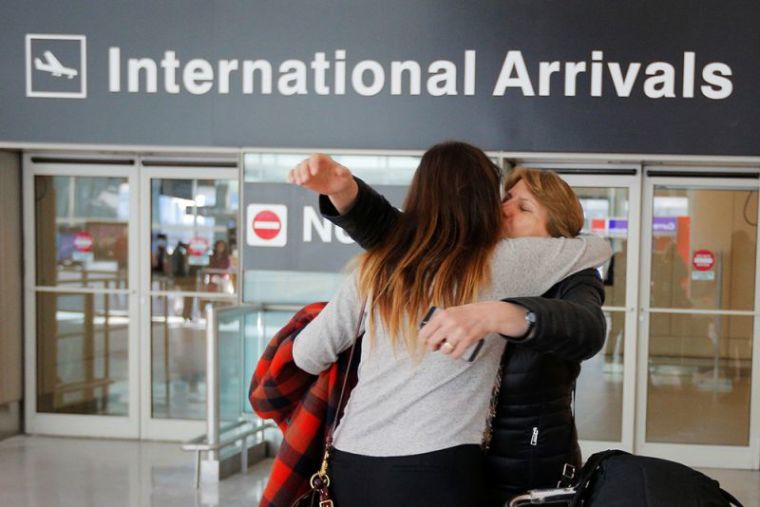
[(544, 497)]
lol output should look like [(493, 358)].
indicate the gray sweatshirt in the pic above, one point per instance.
[(400, 406)]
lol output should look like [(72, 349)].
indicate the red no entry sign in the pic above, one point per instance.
[(703, 260), (266, 224), (83, 241), (197, 246)]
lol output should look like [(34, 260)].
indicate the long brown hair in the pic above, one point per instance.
[(438, 252), (564, 214)]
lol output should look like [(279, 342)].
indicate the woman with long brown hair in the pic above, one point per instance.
[(413, 426)]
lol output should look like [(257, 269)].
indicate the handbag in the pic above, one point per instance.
[(319, 494), (618, 478)]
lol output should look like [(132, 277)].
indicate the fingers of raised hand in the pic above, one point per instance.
[(319, 163), (299, 175)]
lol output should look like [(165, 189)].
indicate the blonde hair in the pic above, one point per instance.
[(439, 251), (564, 211)]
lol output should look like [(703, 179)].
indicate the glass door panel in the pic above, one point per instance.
[(81, 320), (703, 262), (703, 249), (81, 231), (194, 235), (82, 353), (178, 349), (599, 390), (700, 372), (605, 389), (190, 254)]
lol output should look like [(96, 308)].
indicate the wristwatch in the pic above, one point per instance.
[(531, 317)]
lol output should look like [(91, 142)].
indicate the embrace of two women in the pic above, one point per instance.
[(427, 424)]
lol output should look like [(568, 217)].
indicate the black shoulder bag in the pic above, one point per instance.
[(618, 478)]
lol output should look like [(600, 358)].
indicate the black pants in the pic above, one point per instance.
[(449, 477)]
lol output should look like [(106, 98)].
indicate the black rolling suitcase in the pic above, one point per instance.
[(619, 479)]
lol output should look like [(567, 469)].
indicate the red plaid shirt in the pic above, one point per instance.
[(302, 405)]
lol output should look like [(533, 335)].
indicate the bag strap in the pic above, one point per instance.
[(320, 481), (731, 499), (342, 398), (588, 471)]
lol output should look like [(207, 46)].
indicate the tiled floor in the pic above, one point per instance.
[(67, 472)]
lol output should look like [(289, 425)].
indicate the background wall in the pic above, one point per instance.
[(11, 335), (652, 66)]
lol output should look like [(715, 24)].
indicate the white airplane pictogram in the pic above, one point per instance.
[(53, 66)]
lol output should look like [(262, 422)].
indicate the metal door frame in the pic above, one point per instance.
[(615, 176), (188, 168), (695, 454), (76, 424)]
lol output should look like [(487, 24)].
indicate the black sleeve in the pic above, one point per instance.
[(570, 324), (370, 219)]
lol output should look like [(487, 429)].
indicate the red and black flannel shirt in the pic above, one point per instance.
[(302, 405)]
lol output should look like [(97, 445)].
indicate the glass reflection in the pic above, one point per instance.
[(599, 393), (178, 356), (374, 169), (233, 393), (194, 235), (700, 369), (703, 249), (606, 214), (260, 327), (81, 231), (82, 353)]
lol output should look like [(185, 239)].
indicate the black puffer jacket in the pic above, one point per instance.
[(534, 431)]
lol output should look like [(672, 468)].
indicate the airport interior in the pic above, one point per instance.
[(152, 245)]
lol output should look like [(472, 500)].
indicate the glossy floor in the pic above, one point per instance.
[(68, 472)]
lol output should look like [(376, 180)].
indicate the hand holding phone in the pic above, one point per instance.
[(471, 353)]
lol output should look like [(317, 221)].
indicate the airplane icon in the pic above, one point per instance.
[(53, 66)]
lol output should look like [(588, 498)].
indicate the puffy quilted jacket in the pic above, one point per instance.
[(534, 431)]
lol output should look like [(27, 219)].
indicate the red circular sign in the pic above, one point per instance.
[(197, 246), (703, 260), (266, 224), (83, 241)]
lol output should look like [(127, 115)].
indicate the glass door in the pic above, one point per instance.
[(82, 373), (605, 390), (698, 388), (189, 260)]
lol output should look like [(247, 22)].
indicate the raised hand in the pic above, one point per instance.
[(320, 173)]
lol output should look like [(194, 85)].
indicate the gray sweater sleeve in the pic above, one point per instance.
[(521, 267), (318, 345), (531, 266)]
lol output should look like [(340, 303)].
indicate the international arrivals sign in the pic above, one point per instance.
[(324, 76), (575, 76)]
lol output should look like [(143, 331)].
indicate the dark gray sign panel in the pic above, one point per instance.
[(285, 231), (572, 76)]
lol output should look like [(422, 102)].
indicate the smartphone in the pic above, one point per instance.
[(471, 353)]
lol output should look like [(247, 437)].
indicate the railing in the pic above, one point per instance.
[(236, 337)]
